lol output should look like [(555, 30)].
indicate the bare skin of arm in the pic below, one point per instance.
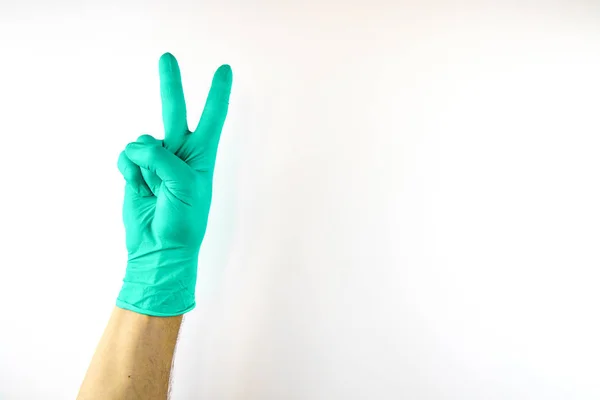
[(133, 359)]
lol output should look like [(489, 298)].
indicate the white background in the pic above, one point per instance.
[(406, 196)]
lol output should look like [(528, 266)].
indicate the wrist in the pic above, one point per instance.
[(160, 283)]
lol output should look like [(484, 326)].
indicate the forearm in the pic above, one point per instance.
[(133, 359)]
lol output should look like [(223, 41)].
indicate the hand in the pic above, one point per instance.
[(168, 193)]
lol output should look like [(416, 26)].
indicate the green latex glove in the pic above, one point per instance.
[(168, 193)]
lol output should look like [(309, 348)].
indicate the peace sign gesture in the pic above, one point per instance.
[(198, 148), (168, 193)]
